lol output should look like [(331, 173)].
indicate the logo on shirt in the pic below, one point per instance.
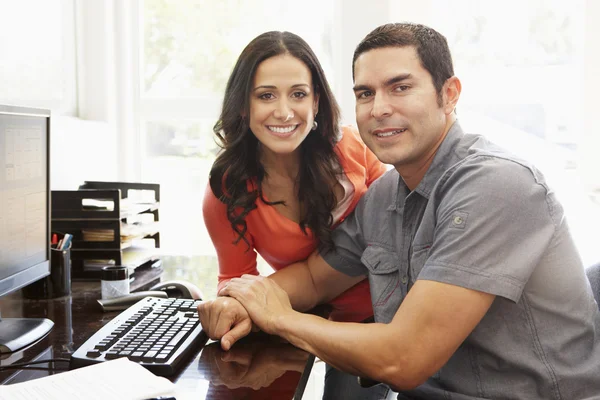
[(459, 219)]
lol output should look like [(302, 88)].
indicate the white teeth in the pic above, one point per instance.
[(386, 134), (287, 129)]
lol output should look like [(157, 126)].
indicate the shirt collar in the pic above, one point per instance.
[(444, 158)]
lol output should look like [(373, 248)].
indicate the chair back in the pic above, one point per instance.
[(593, 274)]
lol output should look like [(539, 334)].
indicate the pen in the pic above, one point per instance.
[(66, 241)]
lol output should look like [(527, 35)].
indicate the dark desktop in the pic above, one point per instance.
[(24, 215)]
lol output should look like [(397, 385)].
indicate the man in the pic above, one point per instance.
[(477, 288)]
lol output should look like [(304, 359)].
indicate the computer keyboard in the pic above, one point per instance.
[(157, 333)]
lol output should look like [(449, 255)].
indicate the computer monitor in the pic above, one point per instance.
[(24, 215)]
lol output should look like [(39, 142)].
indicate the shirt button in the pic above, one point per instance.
[(404, 279), (458, 220)]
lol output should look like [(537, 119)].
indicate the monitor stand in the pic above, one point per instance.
[(17, 333)]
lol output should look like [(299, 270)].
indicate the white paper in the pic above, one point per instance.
[(118, 379)]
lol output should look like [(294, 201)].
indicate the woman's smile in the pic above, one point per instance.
[(283, 131)]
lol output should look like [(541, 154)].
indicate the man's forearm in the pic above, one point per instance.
[(360, 349), (312, 282), (297, 281)]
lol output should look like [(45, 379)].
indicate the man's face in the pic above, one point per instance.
[(397, 108)]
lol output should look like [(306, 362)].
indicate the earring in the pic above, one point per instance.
[(315, 125)]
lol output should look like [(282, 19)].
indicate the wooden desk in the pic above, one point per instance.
[(260, 367)]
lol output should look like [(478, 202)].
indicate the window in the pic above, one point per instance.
[(38, 54), (187, 52), (521, 66)]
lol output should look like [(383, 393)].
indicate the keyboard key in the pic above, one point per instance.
[(93, 353), (111, 355), (102, 346), (149, 356), (136, 356), (177, 339)]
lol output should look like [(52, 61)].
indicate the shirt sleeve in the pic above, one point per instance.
[(234, 259), (349, 244), (495, 220)]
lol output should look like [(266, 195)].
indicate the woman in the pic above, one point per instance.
[(287, 173)]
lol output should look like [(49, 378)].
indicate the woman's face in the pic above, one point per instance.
[(282, 104)]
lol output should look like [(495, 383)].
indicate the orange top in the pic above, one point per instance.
[(281, 242)]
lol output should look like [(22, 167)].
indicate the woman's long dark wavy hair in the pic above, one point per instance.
[(239, 160)]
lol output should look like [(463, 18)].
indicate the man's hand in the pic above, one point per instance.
[(265, 301), (226, 319)]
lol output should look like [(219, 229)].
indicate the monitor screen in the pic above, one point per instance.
[(24, 207), (24, 200)]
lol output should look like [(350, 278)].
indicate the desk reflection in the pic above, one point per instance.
[(255, 368)]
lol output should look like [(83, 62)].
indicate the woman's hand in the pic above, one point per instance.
[(224, 319), (265, 301)]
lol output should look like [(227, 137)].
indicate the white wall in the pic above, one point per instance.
[(355, 20), (591, 124), (81, 150)]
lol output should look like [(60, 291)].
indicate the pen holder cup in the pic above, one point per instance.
[(58, 283)]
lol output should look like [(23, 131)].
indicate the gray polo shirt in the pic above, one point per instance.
[(484, 220)]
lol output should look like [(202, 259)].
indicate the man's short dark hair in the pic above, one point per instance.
[(431, 46)]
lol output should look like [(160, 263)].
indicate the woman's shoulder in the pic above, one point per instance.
[(350, 143), (210, 200), (349, 136), (350, 139)]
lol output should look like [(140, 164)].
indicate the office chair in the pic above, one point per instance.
[(593, 274)]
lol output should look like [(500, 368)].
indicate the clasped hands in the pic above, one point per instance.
[(250, 302)]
